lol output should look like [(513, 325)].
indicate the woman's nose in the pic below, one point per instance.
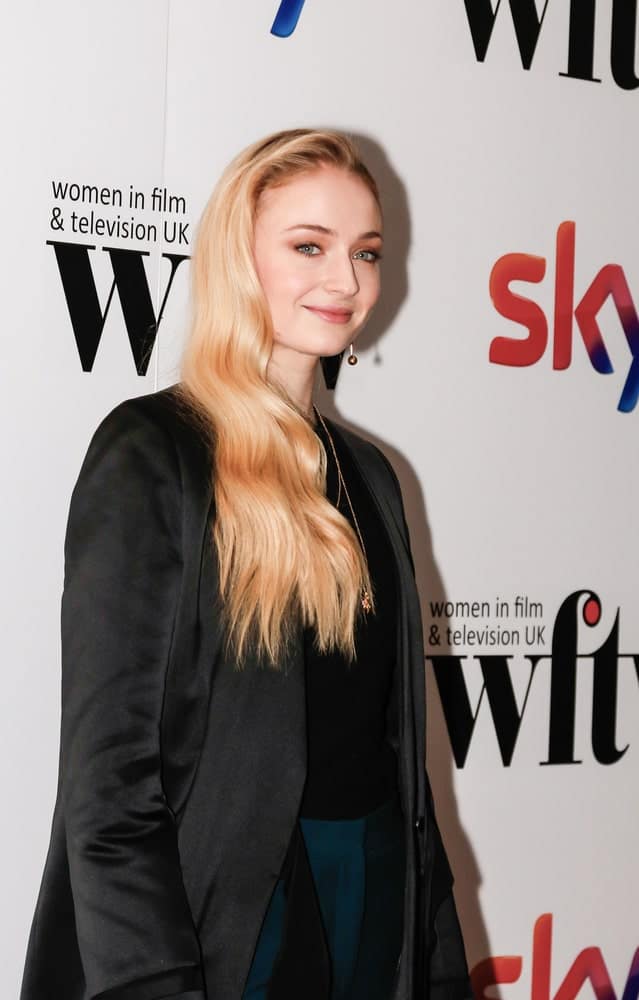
[(340, 275)]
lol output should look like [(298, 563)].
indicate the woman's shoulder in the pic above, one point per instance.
[(163, 418), (166, 408), (149, 439)]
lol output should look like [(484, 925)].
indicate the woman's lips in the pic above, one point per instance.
[(332, 315)]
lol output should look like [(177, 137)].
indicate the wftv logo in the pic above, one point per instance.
[(581, 35), (287, 17), (588, 967), (610, 282), (564, 659)]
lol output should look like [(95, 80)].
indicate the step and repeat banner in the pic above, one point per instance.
[(500, 374)]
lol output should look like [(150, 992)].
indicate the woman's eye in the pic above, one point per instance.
[(369, 255), (309, 249)]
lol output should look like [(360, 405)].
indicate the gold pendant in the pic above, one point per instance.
[(366, 601)]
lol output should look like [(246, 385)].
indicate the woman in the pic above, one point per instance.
[(243, 810)]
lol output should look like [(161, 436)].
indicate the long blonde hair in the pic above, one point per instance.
[(285, 555)]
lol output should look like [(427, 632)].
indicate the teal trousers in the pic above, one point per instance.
[(358, 868)]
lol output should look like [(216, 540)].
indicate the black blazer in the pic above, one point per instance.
[(180, 777)]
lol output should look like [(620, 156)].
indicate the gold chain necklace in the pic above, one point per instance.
[(365, 596)]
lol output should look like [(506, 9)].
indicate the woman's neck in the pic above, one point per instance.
[(296, 375)]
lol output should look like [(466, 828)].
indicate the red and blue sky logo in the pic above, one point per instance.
[(609, 287), (287, 16)]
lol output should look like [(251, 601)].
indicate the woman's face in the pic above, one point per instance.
[(317, 244)]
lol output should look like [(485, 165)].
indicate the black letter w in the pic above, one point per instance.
[(87, 316), (498, 686), (527, 21)]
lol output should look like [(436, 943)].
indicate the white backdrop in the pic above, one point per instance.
[(519, 480)]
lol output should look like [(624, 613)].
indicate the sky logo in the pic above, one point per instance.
[(609, 284), (588, 967), (287, 17)]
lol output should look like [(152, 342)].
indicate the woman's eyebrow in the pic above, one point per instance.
[(331, 232)]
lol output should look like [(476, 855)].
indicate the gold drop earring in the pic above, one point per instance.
[(352, 358)]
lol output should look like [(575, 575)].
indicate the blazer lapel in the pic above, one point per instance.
[(378, 485), (381, 488)]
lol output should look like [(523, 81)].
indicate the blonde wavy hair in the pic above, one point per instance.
[(285, 554)]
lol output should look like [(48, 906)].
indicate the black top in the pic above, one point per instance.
[(352, 769)]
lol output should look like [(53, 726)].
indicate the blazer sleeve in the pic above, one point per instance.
[(447, 968), (123, 569)]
